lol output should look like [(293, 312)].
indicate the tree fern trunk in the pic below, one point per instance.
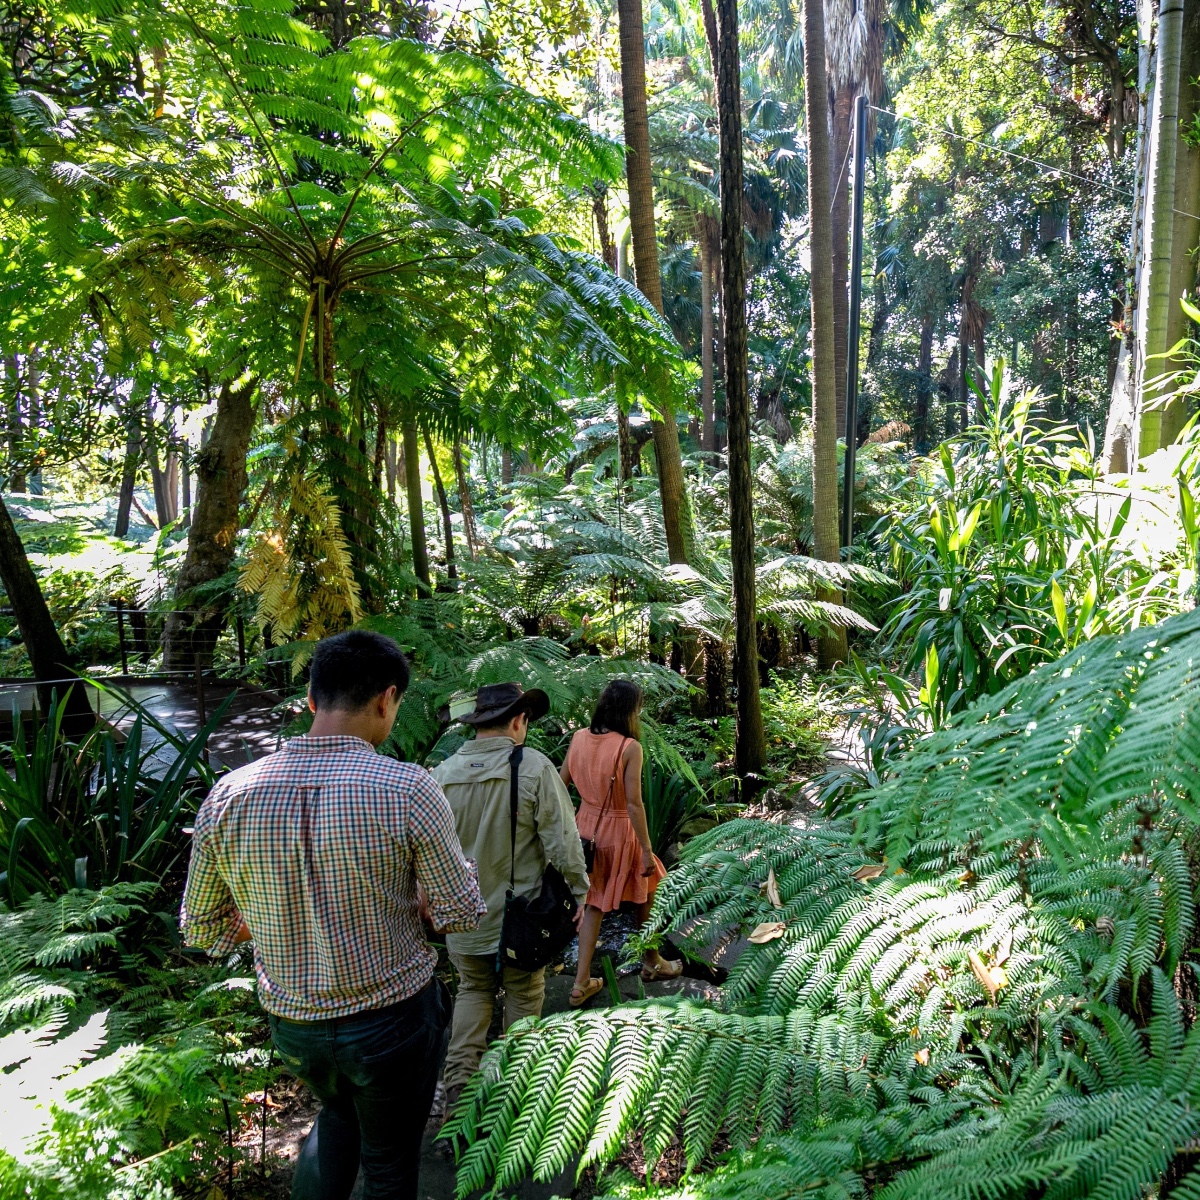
[(212, 540), (831, 648), (676, 512), (416, 508), (751, 745)]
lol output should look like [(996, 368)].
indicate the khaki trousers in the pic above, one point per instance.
[(524, 992)]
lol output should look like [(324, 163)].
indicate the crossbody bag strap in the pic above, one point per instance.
[(514, 768), (612, 783)]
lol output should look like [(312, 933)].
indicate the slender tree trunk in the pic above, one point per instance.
[(447, 525), (47, 655), (676, 512), (33, 393), (391, 468), (707, 429), (831, 647), (843, 111), (133, 454), (416, 508), (171, 487), (921, 429), (16, 438), (221, 479), (465, 502), (506, 466), (719, 356), (751, 746), (185, 483)]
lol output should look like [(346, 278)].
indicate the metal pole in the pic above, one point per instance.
[(852, 333), (241, 641), (121, 636), (201, 707)]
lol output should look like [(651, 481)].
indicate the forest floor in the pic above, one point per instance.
[(289, 1123)]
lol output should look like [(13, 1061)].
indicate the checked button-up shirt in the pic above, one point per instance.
[(320, 849)]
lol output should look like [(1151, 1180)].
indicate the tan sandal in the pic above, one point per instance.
[(581, 995), (666, 969)]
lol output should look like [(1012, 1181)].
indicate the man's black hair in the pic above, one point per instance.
[(350, 669)]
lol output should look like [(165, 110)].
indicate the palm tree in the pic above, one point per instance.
[(677, 518), (831, 648), (751, 748)]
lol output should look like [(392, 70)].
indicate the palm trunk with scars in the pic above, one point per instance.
[(751, 746), (677, 519), (831, 647)]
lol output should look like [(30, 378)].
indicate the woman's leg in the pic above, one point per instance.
[(651, 958), (589, 934)]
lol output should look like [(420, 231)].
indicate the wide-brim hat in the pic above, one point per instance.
[(499, 702)]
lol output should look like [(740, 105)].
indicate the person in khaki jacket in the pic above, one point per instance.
[(476, 781)]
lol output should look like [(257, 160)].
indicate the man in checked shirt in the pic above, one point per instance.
[(327, 854)]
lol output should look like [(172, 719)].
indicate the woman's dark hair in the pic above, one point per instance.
[(618, 708), (350, 669)]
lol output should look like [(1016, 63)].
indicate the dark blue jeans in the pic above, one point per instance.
[(375, 1074)]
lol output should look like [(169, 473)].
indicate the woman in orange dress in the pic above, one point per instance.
[(604, 763)]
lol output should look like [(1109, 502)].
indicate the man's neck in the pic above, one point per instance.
[(335, 722)]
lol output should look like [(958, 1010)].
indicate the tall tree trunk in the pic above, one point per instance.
[(447, 524), (212, 540), (465, 502), (16, 475), (676, 511), (922, 435), (1121, 428), (706, 336), (839, 215), (831, 647), (1172, 231), (750, 750), (47, 655), (506, 466), (416, 508)]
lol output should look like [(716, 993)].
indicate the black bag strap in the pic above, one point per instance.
[(514, 769)]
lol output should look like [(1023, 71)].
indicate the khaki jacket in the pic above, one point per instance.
[(476, 782)]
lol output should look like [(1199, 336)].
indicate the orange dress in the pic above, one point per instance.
[(616, 874)]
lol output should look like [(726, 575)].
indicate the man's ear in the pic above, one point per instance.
[(386, 697), (312, 708)]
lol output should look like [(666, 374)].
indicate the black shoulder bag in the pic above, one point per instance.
[(535, 928)]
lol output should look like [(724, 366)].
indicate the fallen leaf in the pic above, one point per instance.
[(983, 975), (870, 871), (773, 890), (1004, 949), (768, 931), (922, 1057), (998, 976), (967, 877)]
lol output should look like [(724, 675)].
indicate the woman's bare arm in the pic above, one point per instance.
[(633, 800)]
